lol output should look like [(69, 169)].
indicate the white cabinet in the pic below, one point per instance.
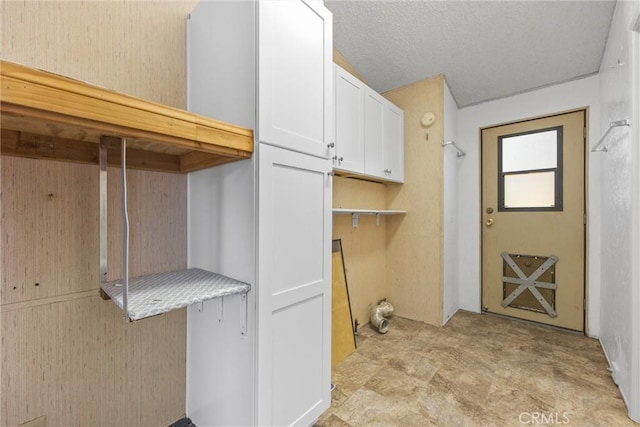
[(294, 282), (374, 106), (349, 113), (296, 82), (383, 138), (276, 56), (369, 131), (393, 143)]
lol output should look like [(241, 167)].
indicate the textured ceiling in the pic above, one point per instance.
[(485, 49)]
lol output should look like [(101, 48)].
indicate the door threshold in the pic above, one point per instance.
[(534, 323)]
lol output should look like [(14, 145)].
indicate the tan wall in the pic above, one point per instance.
[(66, 353), (415, 243), (402, 259), (339, 59), (364, 248), (134, 47)]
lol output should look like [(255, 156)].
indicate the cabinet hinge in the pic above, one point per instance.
[(584, 133), (584, 304), (584, 219)]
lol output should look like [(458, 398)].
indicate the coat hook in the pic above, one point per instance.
[(50, 196)]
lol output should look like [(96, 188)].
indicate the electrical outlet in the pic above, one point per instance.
[(36, 422)]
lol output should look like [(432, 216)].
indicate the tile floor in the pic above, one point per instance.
[(478, 370)]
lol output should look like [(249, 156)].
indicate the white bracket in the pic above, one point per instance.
[(355, 214), (102, 160), (243, 313), (125, 229), (220, 309), (459, 151), (601, 146)]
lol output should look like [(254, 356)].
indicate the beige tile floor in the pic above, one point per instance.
[(478, 370)]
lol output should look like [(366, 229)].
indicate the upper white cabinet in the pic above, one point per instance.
[(349, 112), (374, 106), (369, 131), (393, 143), (295, 81)]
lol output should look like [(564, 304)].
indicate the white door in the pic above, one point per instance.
[(393, 143), (295, 83), (294, 287), (349, 96)]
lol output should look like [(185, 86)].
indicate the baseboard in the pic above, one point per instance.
[(614, 372)]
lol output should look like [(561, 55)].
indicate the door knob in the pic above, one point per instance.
[(489, 222)]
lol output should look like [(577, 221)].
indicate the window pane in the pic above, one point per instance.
[(531, 151), (529, 190)]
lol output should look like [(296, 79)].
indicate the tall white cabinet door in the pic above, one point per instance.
[(393, 143), (295, 76), (294, 287), (374, 108), (349, 106)]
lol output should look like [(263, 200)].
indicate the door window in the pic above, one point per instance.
[(530, 171)]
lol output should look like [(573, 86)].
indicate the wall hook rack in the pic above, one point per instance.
[(458, 149), (601, 146)]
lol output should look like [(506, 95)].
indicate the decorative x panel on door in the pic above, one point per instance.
[(525, 282)]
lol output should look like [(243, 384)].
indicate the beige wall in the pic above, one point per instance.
[(415, 243), (364, 248), (402, 259), (339, 59), (66, 353), (134, 47)]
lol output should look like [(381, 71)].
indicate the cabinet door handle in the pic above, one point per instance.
[(331, 145), (340, 159), (387, 171)]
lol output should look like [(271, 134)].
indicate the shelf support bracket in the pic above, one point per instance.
[(102, 182), (354, 220), (601, 146), (220, 309), (378, 219), (125, 229), (243, 313)]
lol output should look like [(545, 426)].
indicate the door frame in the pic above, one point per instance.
[(585, 110)]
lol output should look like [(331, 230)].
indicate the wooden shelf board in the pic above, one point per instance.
[(48, 113), (362, 177)]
